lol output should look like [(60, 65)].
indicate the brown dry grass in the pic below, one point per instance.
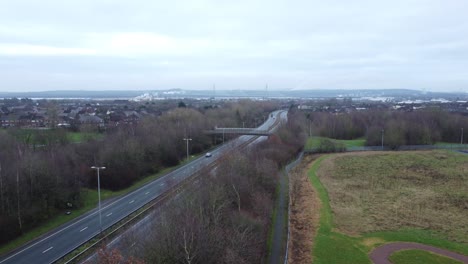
[(382, 191), (305, 208)]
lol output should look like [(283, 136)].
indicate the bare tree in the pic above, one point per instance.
[(114, 256), (18, 197), (188, 246), (1, 189)]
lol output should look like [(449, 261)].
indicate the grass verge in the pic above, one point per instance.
[(328, 243)]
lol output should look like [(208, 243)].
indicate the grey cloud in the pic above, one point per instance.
[(191, 44)]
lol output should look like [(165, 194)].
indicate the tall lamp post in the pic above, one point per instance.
[(187, 140), (382, 137), (99, 192), (461, 140), (310, 128)]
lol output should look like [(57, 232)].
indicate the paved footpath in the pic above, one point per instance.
[(280, 235), (381, 254)]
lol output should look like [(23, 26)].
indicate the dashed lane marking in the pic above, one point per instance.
[(47, 250)]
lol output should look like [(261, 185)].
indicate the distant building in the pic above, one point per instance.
[(90, 119)]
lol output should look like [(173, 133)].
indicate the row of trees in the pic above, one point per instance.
[(399, 128), (226, 217), (34, 184), (39, 182)]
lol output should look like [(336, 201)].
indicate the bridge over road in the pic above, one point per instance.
[(238, 131)]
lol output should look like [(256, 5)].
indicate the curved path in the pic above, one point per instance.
[(381, 254)]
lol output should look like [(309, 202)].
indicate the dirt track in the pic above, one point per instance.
[(381, 254)]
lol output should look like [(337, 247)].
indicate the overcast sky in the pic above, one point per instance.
[(241, 44)]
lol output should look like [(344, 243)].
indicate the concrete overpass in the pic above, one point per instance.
[(239, 131)]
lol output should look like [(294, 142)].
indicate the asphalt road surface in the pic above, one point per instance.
[(71, 235)]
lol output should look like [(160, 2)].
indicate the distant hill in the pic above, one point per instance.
[(180, 93), (72, 94)]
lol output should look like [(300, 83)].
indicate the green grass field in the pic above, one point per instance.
[(354, 247), (313, 142), (40, 136), (77, 137)]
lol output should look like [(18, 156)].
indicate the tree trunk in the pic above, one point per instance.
[(18, 199), (1, 190), (238, 197), (20, 155), (188, 248)]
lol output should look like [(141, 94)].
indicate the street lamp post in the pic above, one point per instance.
[(382, 137), (187, 140), (99, 193), (310, 128), (461, 140)]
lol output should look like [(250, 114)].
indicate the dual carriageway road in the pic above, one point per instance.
[(68, 237)]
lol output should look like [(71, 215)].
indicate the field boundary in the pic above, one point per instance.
[(287, 169)]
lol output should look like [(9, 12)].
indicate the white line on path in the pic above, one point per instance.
[(131, 201), (162, 184), (146, 193), (109, 214), (83, 229), (47, 250)]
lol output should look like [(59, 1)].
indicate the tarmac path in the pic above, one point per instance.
[(381, 254)]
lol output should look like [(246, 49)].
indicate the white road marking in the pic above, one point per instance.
[(47, 250), (109, 214), (132, 201), (162, 184), (83, 229), (146, 193)]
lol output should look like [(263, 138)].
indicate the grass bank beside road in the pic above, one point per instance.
[(369, 199)]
